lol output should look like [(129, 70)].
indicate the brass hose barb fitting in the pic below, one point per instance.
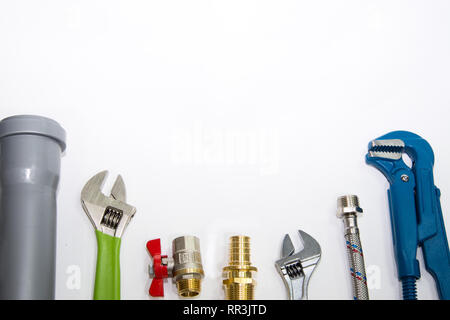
[(238, 280), (187, 268)]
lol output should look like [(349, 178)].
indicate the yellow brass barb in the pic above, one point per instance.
[(238, 282)]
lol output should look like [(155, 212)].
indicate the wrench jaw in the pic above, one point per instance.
[(311, 248), (296, 268), (288, 248), (109, 215), (118, 191), (391, 147), (386, 148), (386, 155)]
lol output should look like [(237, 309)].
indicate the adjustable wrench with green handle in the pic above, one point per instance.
[(110, 216)]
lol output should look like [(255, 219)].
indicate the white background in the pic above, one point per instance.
[(231, 117)]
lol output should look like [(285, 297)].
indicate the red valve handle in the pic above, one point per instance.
[(159, 270), (154, 247), (157, 288)]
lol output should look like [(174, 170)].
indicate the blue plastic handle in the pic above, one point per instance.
[(436, 253), (431, 229), (404, 223)]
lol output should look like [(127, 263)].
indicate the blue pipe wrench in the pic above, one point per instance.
[(415, 209)]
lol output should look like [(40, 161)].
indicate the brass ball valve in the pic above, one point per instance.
[(185, 266)]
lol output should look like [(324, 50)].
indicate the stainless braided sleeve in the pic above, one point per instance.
[(348, 210), (357, 268)]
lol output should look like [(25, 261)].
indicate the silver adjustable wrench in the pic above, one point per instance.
[(296, 268), (110, 216)]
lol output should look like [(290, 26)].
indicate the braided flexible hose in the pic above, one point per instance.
[(348, 208), (357, 268)]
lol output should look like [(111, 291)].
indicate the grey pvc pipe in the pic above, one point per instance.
[(30, 158)]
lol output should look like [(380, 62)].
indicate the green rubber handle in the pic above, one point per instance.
[(107, 274)]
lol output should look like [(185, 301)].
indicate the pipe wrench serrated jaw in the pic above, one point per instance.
[(296, 268), (387, 156), (386, 152), (109, 215)]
